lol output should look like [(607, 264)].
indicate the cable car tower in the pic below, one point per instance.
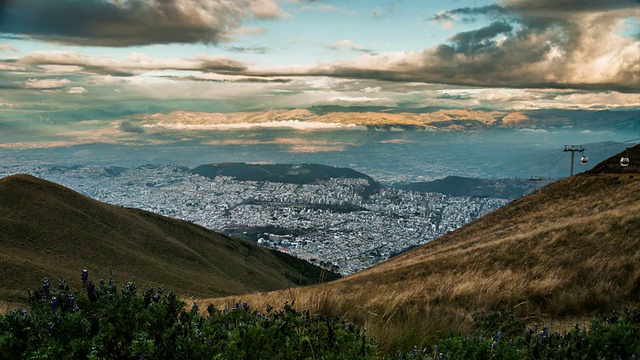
[(573, 149)]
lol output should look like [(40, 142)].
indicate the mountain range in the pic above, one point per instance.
[(387, 118)]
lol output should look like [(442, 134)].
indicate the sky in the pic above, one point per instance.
[(70, 61)]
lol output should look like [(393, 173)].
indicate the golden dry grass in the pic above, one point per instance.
[(563, 253)]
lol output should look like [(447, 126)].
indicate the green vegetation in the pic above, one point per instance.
[(500, 335), (102, 322)]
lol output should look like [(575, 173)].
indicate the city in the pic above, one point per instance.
[(328, 223)]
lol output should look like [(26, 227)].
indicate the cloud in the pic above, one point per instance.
[(77, 90), (134, 63), (130, 127), (469, 14), (133, 22), (524, 47), (369, 90), (381, 12), (7, 47), (46, 83), (242, 49), (347, 44)]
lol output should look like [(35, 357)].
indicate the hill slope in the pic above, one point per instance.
[(568, 250), (464, 186), (47, 230), (285, 173)]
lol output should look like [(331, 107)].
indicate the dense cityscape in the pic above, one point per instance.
[(330, 223)]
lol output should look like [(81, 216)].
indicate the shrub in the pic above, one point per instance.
[(101, 322)]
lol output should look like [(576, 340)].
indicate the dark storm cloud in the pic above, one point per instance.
[(132, 22), (470, 42)]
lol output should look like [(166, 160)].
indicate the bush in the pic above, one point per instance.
[(610, 336), (101, 322)]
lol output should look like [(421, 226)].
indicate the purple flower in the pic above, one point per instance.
[(84, 277), (499, 335), (54, 303), (245, 305), (156, 298), (46, 287)]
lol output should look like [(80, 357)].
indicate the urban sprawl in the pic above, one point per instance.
[(328, 223)]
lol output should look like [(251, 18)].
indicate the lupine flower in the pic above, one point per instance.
[(24, 312), (480, 338), (499, 335), (54, 303), (494, 345), (46, 287), (245, 305), (545, 329), (415, 351), (156, 298), (84, 277), (584, 329)]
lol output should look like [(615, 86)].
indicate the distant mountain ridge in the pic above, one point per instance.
[(47, 230), (285, 173), (435, 119), (464, 186)]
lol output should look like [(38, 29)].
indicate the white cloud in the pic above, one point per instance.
[(46, 83), (370, 90), (77, 90)]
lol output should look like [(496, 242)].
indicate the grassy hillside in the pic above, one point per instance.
[(562, 253), (47, 230)]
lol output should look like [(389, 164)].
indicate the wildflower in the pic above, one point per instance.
[(494, 345), (245, 305), (545, 330), (480, 338), (414, 352), (24, 312), (54, 303), (46, 287), (584, 329), (511, 343), (156, 298), (499, 335), (84, 277)]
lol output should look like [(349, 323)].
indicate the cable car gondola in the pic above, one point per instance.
[(584, 160), (624, 161)]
